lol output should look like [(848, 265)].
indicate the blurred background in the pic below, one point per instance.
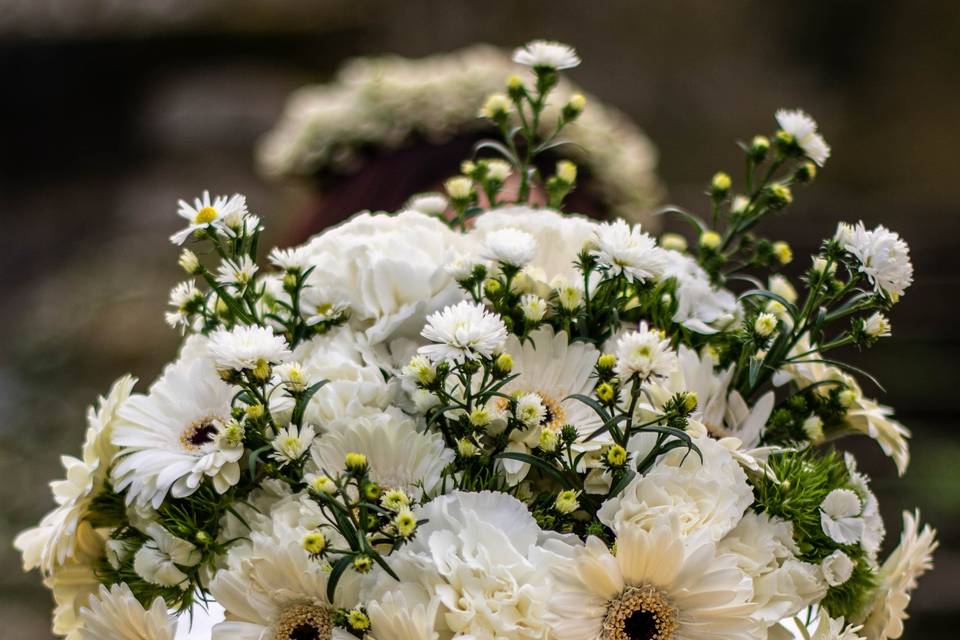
[(111, 110)]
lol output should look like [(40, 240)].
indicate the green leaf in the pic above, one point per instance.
[(622, 483), (499, 147), (763, 293), (383, 563), (335, 573), (592, 403), (303, 400), (697, 223), (254, 457)]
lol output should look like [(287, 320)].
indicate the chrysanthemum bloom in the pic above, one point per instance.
[(804, 130), (205, 212), (884, 257), (512, 247), (247, 347), (627, 250), (463, 331), (645, 353), (547, 55)]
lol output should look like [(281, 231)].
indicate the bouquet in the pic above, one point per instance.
[(505, 422)]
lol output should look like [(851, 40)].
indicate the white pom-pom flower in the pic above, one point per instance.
[(804, 130), (546, 54), (462, 332)]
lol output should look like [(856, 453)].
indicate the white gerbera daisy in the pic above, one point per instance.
[(463, 331), (272, 589), (654, 588), (884, 257), (627, 250), (481, 561), (55, 539), (546, 54), (115, 614), (169, 440), (646, 353), (804, 130), (205, 213), (510, 246), (398, 457), (247, 347), (898, 578)]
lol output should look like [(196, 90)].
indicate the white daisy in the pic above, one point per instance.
[(462, 267), (238, 273), (169, 440), (462, 332), (159, 559), (877, 326), (115, 614), (655, 587), (56, 538), (646, 353), (291, 443), (898, 578), (185, 298), (205, 213), (804, 130), (627, 250), (430, 204), (546, 54), (398, 456), (840, 516), (509, 246), (481, 561), (247, 347), (883, 256)]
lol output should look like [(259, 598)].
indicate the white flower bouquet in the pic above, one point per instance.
[(516, 423)]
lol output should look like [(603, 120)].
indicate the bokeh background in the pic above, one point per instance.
[(110, 110)]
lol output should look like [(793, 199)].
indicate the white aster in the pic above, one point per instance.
[(291, 443), (622, 249), (462, 332), (204, 213), (238, 273), (877, 326), (462, 267), (509, 246), (645, 353), (398, 456), (655, 583), (898, 578), (804, 130), (115, 614), (840, 516), (169, 439), (430, 204), (160, 559), (546, 54), (294, 260), (883, 256), (247, 347)]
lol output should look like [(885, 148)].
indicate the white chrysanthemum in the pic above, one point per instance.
[(159, 559), (238, 273), (765, 551), (389, 269), (247, 347), (291, 443), (398, 457), (271, 588), (646, 353), (898, 578), (883, 256), (55, 539), (462, 332), (115, 614), (205, 212), (701, 306), (840, 516), (510, 246), (877, 326), (169, 440), (462, 267), (547, 54), (707, 497), (480, 561), (656, 586), (804, 130), (429, 204), (627, 250), (295, 259), (182, 297)]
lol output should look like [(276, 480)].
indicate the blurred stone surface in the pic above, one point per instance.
[(105, 124)]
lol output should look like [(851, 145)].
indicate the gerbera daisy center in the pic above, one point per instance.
[(199, 433), (304, 622), (640, 613)]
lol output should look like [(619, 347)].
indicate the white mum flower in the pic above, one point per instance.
[(183, 297), (462, 267), (57, 537), (627, 250), (116, 614), (898, 578), (840, 517), (430, 204), (510, 246), (168, 440), (159, 560), (205, 212), (656, 586), (398, 456), (877, 326), (291, 443), (546, 54), (238, 273), (883, 256), (247, 347), (464, 331), (530, 409), (481, 561), (804, 130), (295, 259), (533, 306), (645, 353)]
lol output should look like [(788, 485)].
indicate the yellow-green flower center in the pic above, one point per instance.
[(206, 215)]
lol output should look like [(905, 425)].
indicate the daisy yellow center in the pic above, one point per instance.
[(554, 416), (304, 622), (199, 433), (205, 215), (640, 613)]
